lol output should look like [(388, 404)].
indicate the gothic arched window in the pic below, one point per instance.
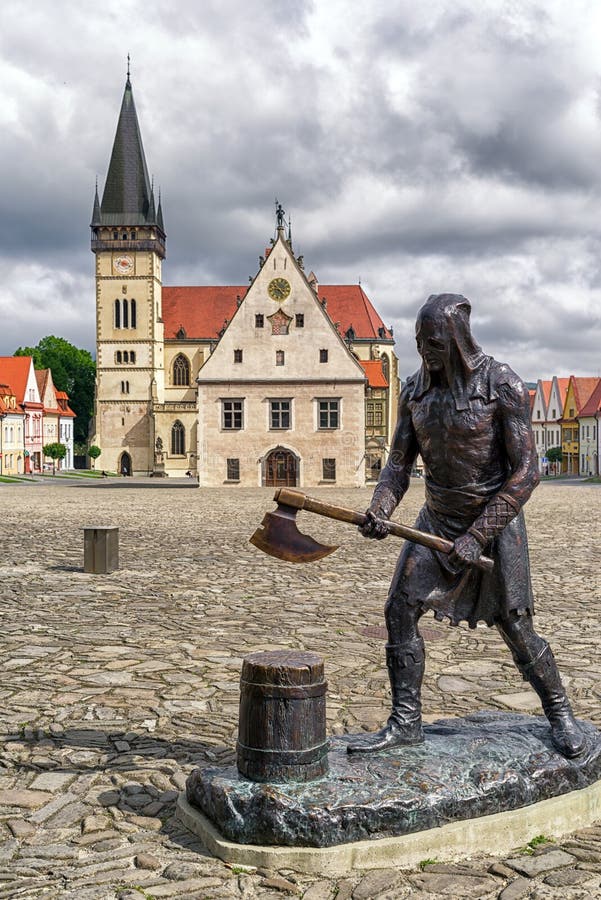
[(133, 313), (178, 435), (125, 314), (181, 371), (117, 314)]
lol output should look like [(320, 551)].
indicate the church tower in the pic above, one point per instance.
[(128, 240)]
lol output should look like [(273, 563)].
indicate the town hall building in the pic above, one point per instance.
[(284, 381)]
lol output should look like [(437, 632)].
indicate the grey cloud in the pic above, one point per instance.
[(475, 171)]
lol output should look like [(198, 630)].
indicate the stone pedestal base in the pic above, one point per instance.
[(485, 783)]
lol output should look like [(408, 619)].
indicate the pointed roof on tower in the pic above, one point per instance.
[(127, 197)]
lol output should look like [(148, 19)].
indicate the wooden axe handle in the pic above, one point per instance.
[(298, 500)]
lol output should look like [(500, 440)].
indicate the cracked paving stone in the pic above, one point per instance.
[(534, 865)]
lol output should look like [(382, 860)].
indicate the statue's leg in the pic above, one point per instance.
[(536, 662), (405, 661)]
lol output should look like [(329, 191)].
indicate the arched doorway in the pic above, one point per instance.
[(125, 464), (280, 469)]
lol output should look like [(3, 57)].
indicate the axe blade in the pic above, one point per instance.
[(278, 535)]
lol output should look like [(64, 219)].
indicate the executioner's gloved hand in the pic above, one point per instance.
[(374, 525)]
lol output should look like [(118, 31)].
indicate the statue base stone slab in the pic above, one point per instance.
[(486, 783)]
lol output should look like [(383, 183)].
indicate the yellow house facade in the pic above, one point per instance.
[(12, 447), (578, 392)]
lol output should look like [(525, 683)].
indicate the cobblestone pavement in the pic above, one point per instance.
[(114, 687)]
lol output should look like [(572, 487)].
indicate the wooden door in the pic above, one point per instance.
[(280, 469)]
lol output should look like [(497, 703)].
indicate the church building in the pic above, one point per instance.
[(283, 381)]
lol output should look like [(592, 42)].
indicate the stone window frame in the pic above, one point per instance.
[(328, 469), (331, 409), (280, 412), (180, 371), (232, 407), (232, 469), (178, 439)]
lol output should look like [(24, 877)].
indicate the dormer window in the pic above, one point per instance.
[(237, 356), (300, 320), (259, 320)]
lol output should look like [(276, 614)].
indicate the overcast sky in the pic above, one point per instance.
[(421, 147)]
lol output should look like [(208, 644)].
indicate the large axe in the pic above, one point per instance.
[(279, 536)]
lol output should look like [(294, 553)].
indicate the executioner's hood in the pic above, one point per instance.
[(467, 368)]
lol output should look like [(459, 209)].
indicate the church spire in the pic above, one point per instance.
[(127, 192)]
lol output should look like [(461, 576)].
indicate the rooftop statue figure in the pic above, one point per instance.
[(468, 416)]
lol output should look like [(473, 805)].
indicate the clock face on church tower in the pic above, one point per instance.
[(123, 265)]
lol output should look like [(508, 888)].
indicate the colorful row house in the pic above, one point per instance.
[(32, 414), (565, 415)]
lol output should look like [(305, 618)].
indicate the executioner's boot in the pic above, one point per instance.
[(543, 675), (406, 670)]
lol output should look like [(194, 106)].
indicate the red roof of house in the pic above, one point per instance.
[(562, 384), (349, 305), (202, 311), (546, 389), (14, 370), (593, 404), (583, 388), (63, 401), (375, 373), (532, 395)]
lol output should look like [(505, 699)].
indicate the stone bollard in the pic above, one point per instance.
[(100, 549), (282, 724)]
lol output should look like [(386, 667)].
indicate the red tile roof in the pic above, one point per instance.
[(349, 305), (593, 404), (546, 389), (532, 395), (583, 388), (63, 401), (375, 374), (562, 384), (201, 311), (14, 370)]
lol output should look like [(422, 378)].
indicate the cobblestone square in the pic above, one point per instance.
[(114, 687)]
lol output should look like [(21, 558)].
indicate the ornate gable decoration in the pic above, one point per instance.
[(280, 322)]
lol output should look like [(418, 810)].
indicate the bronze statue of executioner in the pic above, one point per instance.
[(468, 416)]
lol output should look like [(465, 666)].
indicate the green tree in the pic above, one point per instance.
[(554, 454), (54, 451), (73, 371), (94, 452)]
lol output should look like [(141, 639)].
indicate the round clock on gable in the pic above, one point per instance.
[(123, 265), (278, 289)]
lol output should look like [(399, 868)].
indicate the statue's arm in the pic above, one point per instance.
[(394, 478), (514, 409)]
